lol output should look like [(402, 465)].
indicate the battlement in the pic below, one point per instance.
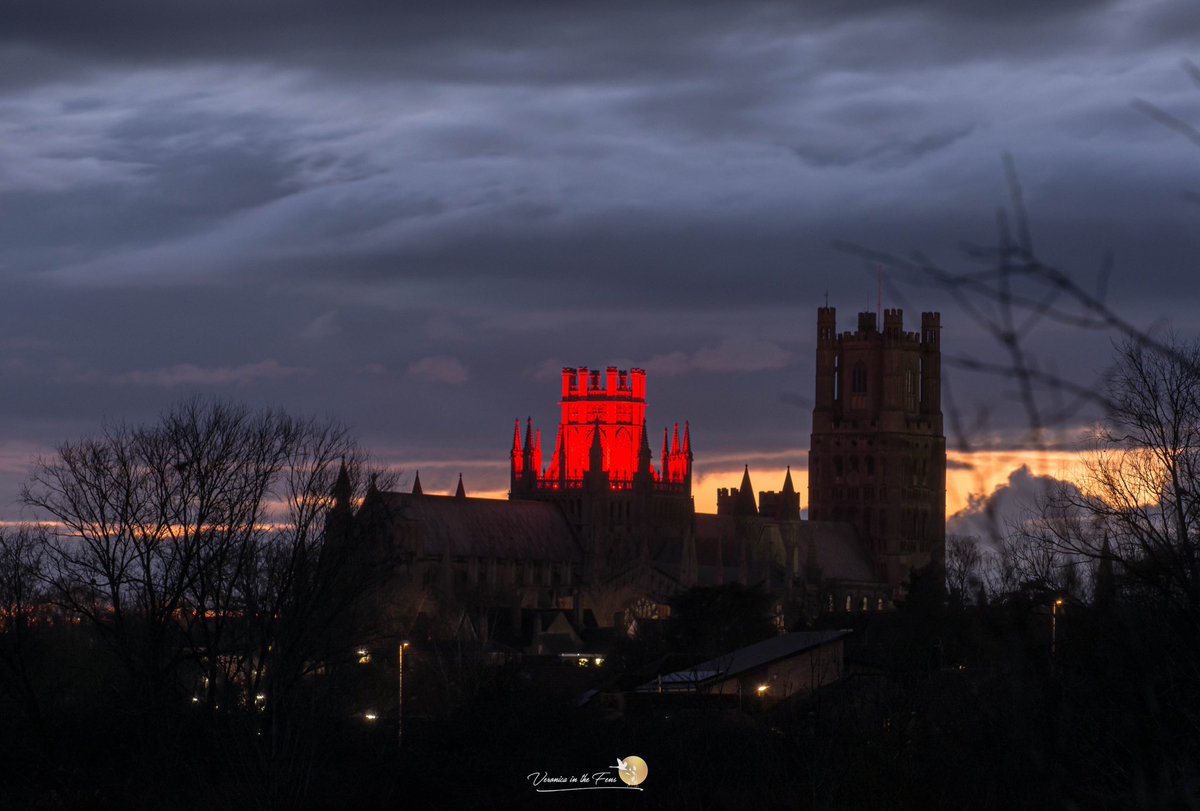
[(584, 383), (868, 328)]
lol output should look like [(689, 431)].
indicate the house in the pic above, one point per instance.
[(769, 671)]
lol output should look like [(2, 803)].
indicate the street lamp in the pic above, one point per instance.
[(1054, 626), (400, 694)]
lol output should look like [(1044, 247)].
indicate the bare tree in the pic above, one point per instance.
[(1138, 505), (22, 603), (201, 548), (964, 562), (213, 552)]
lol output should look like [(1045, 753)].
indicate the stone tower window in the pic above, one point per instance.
[(858, 380)]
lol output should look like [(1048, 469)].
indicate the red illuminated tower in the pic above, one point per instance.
[(601, 469), (605, 415)]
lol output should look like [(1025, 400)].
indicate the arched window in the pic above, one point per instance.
[(858, 379), (849, 603)]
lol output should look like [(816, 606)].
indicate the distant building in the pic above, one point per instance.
[(769, 671), (596, 528)]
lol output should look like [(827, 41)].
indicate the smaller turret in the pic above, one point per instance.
[(789, 499), (745, 505), (341, 489)]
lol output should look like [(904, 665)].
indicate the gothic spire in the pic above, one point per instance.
[(746, 504), (416, 488), (596, 453), (460, 492), (516, 448), (789, 501), (643, 462), (560, 457), (341, 488), (517, 457)]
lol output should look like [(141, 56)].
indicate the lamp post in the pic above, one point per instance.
[(1054, 627), (400, 693)]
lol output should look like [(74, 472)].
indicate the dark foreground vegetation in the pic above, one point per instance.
[(944, 707)]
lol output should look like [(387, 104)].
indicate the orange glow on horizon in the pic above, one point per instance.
[(973, 474), (976, 474)]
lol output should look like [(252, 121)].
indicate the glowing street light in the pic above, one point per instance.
[(761, 690), (400, 693), (1054, 626)]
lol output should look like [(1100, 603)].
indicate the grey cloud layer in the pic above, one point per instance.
[(390, 211)]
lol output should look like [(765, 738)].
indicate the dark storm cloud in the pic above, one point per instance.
[(152, 31), (398, 212), (886, 155)]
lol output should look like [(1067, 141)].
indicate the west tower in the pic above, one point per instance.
[(877, 457)]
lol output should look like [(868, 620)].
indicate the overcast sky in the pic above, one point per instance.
[(411, 219)]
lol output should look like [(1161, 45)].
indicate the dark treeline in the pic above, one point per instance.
[(945, 706)]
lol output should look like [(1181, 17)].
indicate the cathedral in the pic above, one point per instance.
[(599, 527)]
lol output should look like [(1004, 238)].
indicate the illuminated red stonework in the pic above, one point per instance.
[(602, 437)]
